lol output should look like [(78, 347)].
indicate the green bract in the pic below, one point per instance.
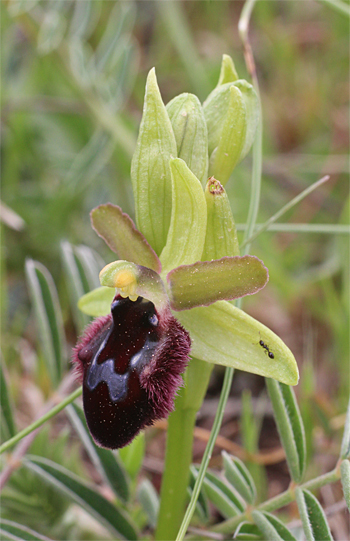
[(185, 253)]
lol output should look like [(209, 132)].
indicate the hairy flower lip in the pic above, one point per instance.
[(130, 375)]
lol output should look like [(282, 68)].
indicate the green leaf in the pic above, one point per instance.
[(224, 334), (345, 480), (186, 235), (312, 516), (227, 154), (290, 427), (97, 302), (345, 445), (48, 316), (119, 233), (206, 282), (106, 462), (247, 531), (238, 475), (190, 130), (150, 170), (228, 72), (81, 267), (221, 235), (221, 495), (18, 532), (149, 501), (132, 455), (272, 528), (6, 405), (84, 495)]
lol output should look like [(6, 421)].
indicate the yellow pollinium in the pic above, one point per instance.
[(126, 282)]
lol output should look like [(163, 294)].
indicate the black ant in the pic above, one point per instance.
[(263, 345)]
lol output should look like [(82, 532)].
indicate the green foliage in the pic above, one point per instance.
[(68, 70)]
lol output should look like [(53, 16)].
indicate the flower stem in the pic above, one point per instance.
[(56, 409), (176, 472)]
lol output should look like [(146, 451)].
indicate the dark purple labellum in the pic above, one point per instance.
[(130, 363)]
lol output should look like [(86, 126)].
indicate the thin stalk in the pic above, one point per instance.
[(178, 459), (325, 229), (284, 209), (30, 428), (228, 526)]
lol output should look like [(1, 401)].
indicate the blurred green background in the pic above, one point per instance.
[(73, 77)]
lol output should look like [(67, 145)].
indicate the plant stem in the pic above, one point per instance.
[(207, 453), (12, 441), (228, 526), (176, 471)]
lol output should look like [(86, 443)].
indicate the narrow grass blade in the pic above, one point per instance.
[(48, 316), (106, 462), (18, 532), (312, 517), (149, 501), (221, 495), (272, 528), (84, 495), (345, 480), (345, 445), (238, 475), (6, 405), (290, 426)]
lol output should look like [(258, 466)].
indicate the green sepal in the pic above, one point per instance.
[(228, 73), (150, 171), (224, 334), (252, 106), (228, 153), (191, 134), (119, 233), (206, 282), (221, 235), (97, 302), (188, 219), (134, 281)]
